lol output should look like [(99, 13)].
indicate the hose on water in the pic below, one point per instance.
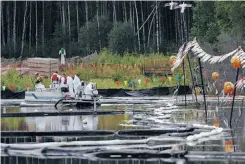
[(58, 102)]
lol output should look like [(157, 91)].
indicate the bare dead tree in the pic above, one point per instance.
[(36, 27), (14, 27), (137, 24), (114, 11), (142, 20), (43, 40), (98, 22), (157, 27), (77, 21), (29, 28), (24, 29)]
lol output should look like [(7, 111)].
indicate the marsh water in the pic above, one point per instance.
[(135, 116)]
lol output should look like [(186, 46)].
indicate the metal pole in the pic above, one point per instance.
[(234, 95), (193, 84), (184, 80), (203, 88), (188, 58), (94, 104)]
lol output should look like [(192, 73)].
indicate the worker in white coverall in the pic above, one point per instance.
[(70, 85), (62, 53), (63, 81), (76, 82)]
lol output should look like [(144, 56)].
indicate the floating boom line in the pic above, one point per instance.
[(195, 48)]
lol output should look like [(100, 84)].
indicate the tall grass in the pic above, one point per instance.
[(122, 68), (13, 78), (107, 57)]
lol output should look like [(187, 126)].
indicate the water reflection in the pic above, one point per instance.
[(218, 115), (64, 123)]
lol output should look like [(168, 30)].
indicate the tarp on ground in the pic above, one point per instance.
[(8, 94)]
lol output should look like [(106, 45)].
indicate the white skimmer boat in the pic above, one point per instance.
[(41, 96)]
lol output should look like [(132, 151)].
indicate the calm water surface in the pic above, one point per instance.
[(218, 114)]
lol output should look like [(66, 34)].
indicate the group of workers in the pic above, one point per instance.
[(73, 84)]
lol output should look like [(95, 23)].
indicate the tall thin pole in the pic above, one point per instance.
[(184, 80), (234, 95), (188, 58), (203, 88), (192, 79)]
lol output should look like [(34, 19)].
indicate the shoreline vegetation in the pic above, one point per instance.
[(108, 70)]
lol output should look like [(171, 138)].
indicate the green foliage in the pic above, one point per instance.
[(205, 26), (86, 75), (107, 57), (92, 37), (121, 38), (119, 76), (211, 19), (13, 78)]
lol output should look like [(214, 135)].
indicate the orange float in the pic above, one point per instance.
[(236, 62), (172, 60), (229, 147), (215, 75), (197, 91), (228, 87)]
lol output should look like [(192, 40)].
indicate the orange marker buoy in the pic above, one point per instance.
[(172, 60), (236, 62), (228, 87), (215, 75), (229, 147)]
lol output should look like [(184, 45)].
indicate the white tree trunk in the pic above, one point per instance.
[(149, 32), (130, 13), (142, 20), (114, 11), (36, 27), (157, 27), (160, 26), (14, 27), (176, 27), (8, 24), (2, 25), (98, 22), (185, 28), (60, 8), (137, 21), (105, 7), (77, 22), (30, 28), (24, 29), (43, 41), (181, 29), (63, 17), (166, 25), (69, 20), (124, 11), (133, 18), (86, 13)]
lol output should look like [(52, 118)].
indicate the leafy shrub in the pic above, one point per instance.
[(120, 76), (121, 38)]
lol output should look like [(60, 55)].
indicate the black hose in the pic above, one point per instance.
[(58, 103)]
